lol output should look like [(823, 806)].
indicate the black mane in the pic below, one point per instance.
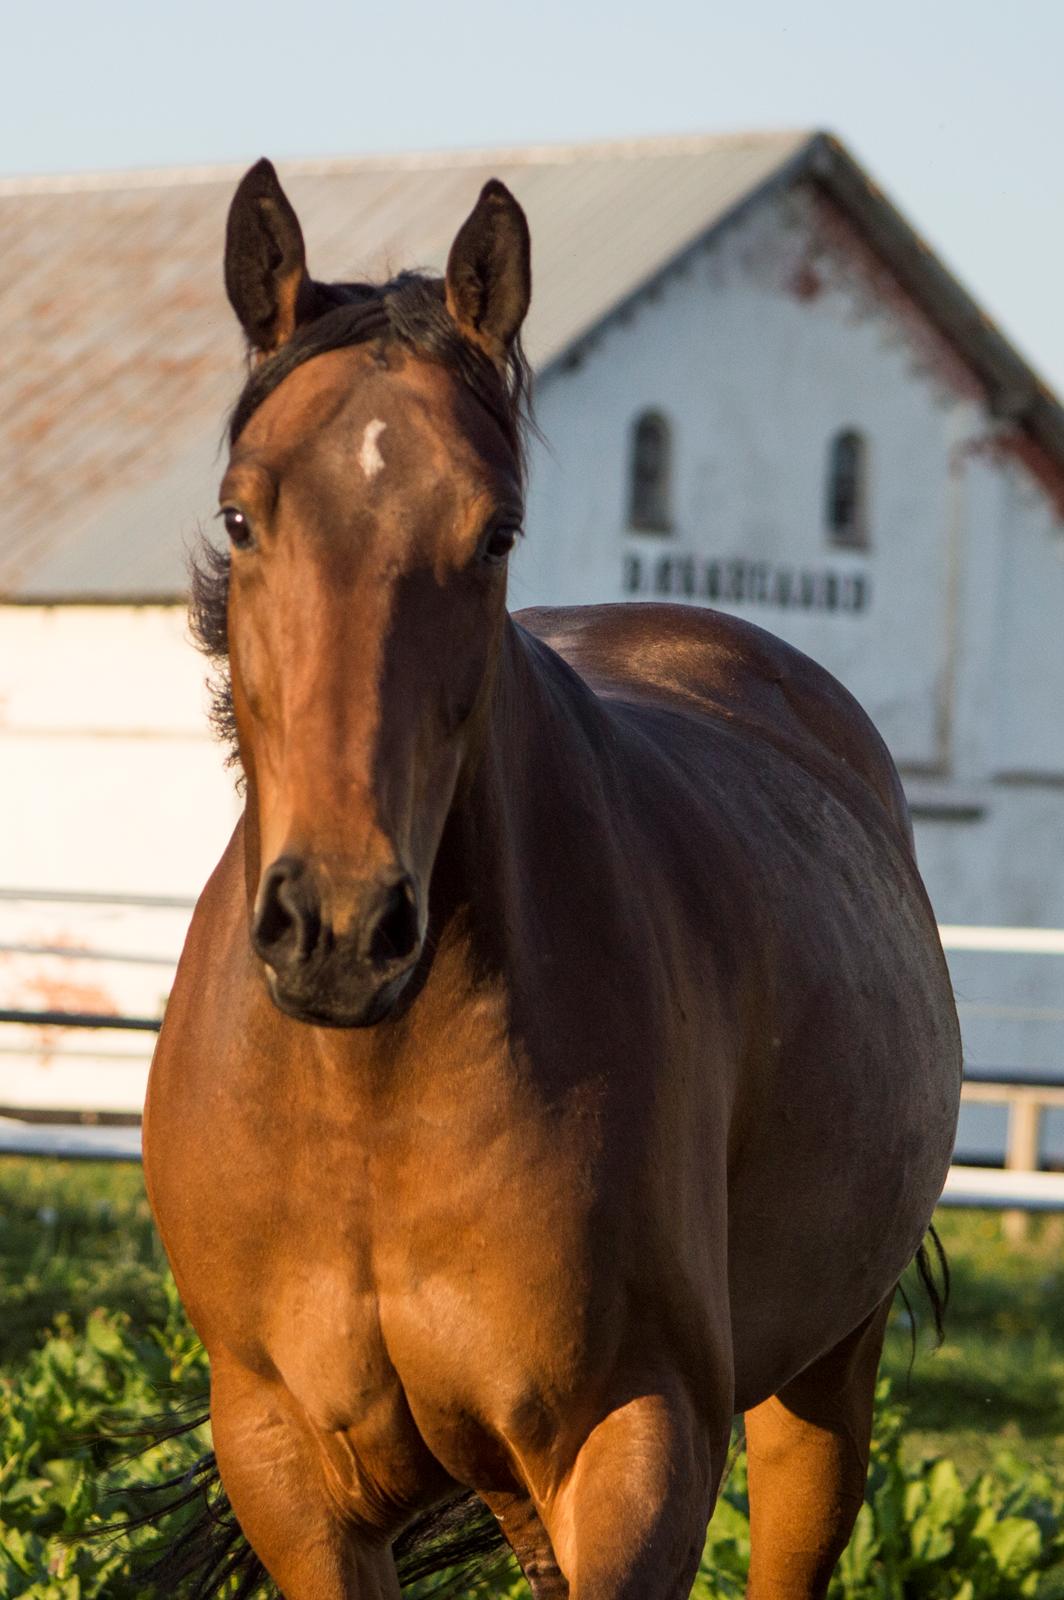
[(409, 311)]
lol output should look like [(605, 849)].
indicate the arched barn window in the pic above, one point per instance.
[(649, 471), (847, 501)]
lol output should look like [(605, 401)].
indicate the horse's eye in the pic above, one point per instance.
[(498, 544), (236, 526)]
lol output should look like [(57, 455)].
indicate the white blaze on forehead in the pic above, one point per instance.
[(369, 456)]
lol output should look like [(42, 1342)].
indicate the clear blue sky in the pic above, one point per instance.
[(958, 108)]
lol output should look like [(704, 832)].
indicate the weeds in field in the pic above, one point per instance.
[(923, 1533)]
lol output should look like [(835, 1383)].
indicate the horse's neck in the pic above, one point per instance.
[(531, 781)]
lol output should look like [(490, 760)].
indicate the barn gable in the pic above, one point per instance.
[(834, 468)]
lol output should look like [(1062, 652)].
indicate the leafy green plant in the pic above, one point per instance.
[(66, 1469), (926, 1534), (923, 1533)]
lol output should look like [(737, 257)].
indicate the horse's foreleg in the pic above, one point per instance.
[(807, 1451), (277, 1483), (630, 1520), (530, 1543)]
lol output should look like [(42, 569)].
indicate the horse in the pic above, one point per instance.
[(562, 1059)]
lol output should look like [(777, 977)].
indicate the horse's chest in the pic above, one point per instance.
[(447, 1271), (323, 1335), (414, 1363), (455, 1311)]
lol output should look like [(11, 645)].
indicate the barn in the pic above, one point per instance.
[(757, 389)]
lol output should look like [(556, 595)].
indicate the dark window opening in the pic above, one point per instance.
[(847, 508), (649, 469)]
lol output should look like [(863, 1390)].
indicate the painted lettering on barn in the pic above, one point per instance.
[(736, 580)]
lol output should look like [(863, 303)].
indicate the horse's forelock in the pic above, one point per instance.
[(410, 310)]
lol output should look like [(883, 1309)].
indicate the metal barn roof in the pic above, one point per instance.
[(121, 352)]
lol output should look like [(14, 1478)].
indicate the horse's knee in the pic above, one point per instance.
[(271, 1471), (629, 1521)]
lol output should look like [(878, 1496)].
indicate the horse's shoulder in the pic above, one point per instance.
[(694, 656)]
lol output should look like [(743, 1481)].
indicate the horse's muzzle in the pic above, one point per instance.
[(349, 977)]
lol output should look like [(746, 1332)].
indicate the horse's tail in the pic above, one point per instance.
[(460, 1538), (931, 1255), (937, 1297), (203, 1552)]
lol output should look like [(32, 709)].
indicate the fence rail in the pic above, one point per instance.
[(1002, 941), (1002, 1189), (82, 1019), (95, 897), (69, 1141)]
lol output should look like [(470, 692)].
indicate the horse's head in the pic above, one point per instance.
[(371, 499)]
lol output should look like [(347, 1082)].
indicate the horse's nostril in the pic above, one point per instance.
[(394, 935), (273, 921), (287, 923)]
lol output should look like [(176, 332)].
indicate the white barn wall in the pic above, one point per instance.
[(113, 787), (1030, 658), (118, 786)]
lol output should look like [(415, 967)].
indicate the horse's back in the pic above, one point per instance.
[(694, 658)]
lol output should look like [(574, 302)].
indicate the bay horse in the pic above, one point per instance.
[(562, 1058)]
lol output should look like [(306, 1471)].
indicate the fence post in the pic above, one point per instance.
[(1021, 1155)]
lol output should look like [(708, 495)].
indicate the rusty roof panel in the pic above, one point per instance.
[(121, 353)]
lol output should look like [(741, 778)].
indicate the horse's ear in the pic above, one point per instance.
[(489, 273), (265, 261)]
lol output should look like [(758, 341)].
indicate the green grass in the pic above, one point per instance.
[(966, 1491), (73, 1238), (998, 1380)]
